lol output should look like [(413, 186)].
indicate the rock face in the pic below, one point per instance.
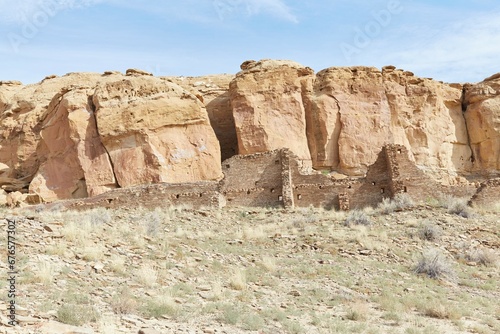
[(76, 164), (268, 107), (349, 113), (155, 131), (482, 102), (213, 91), (83, 134)]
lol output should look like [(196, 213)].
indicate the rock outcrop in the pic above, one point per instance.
[(350, 112), (83, 134), (268, 107), (213, 91), (482, 112), (155, 131)]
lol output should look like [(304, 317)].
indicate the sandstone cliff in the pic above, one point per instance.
[(85, 133), (350, 112)]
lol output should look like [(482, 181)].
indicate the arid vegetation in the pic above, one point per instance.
[(399, 268)]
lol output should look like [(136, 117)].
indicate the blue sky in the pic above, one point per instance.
[(453, 41)]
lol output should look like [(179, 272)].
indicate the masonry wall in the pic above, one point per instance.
[(487, 194), (196, 195), (276, 179), (406, 177), (253, 180)]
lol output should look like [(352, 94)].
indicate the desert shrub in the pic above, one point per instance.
[(77, 315), (435, 265), (160, 306), (98, 216), (458, 206), (387, 206), (429, 231), (482, 256), (401, 201), (357, 217)]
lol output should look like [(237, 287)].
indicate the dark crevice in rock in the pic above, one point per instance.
[(464, 110), (93, 110)]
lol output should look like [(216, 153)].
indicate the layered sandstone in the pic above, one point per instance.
[(83, 134), (268, 107), (349, 113), (155, 131), (482, 103)]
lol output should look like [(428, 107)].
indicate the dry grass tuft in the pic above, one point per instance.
[(435, 265), (357, 217), (238, 280), (429, 231), (486, 257), (146, 275)]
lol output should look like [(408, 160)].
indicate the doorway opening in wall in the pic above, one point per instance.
[(382, 190), (405, 189)]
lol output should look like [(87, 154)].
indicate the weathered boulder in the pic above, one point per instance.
[(348, 114), (76, 164), (354, 111), (268, 108), (155, 131), (483, 122), (213, 92), (22, 112)]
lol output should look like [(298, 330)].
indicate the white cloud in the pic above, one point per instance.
[(20, 11), (459, 52), (277, 8)]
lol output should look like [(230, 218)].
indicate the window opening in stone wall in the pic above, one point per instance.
[(299, 196), (373, 183), (272, 190), (349, 187), (228, 166), (400, 151), (280, 198), (405, 190), (177, 196), (382, 190), (201, 195)]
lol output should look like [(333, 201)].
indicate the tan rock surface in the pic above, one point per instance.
[(77, 164), (268, 107), (213, 91), (155, 131), (350, 113), (483, 123), (50, 138)]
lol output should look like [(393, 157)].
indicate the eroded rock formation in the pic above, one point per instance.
[(84, 133), (350, 113), (268, 107)]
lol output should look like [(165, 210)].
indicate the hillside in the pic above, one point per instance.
[(179, 270)]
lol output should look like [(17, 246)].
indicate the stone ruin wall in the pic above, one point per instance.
[(487, 194), (275, 179), (253, 180)]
